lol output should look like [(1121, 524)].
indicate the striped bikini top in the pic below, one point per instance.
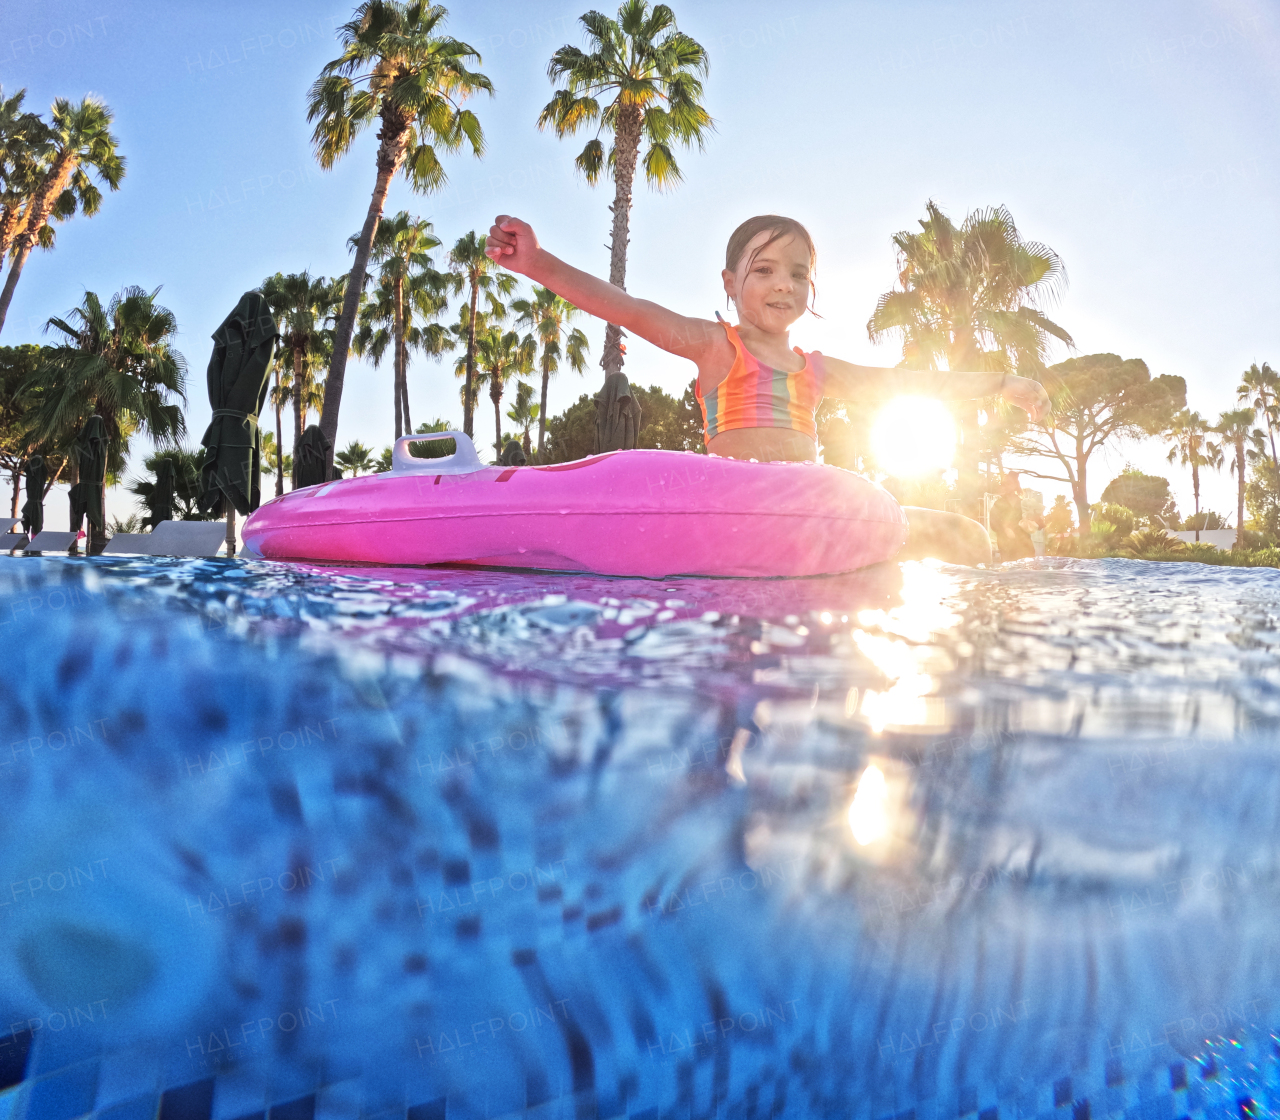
[(757, 396)]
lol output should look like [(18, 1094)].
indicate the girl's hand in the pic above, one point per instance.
[(511, 243), (1028, 395)]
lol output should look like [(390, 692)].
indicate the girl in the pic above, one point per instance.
[(758, 395)]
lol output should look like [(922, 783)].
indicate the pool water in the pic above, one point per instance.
[(296, 841)]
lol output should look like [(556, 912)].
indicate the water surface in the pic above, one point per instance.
[(369, 841)]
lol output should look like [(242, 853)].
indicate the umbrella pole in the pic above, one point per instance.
[(231, 532)]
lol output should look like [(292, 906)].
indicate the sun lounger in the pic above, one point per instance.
[(187, 538), (138, 544), (8, 525), (10, 541), (49, 541)]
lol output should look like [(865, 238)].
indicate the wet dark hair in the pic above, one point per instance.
[(778, 228)]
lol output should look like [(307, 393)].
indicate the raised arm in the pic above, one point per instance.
[(847, 381), (512, 244)]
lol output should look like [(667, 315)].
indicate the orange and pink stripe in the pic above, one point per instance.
[(754, 395)]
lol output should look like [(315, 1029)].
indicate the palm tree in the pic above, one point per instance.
[(969, 299), (117, 361), (414, 84), (181, 502), (24, 143), (477, 273), (303, 307), (524, 413), (548, 314), (1191, 447), (278, 395), (129, 523), (500, 355), (80, 142), (402, 248), (355, 458), (407, 283), (651, 69), (1261, 389), (275, 463), (1236, 426)]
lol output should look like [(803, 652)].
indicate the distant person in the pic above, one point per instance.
[(1013, 537), (755, 403), (1033, 512)]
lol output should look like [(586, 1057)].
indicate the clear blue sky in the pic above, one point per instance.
[(1136, 140)]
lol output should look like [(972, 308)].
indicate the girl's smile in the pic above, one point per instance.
[(770, 286)]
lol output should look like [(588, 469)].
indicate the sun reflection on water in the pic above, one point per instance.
[(897, 642), (869, 812)]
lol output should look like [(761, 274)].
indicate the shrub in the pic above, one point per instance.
[(1149, 541), (1112, 522)]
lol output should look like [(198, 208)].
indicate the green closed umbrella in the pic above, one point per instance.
[(90, 450), (311, 460), (617, 415), (242, 348), (33, 509)]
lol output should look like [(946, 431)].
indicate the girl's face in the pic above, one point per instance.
[(771, 287)]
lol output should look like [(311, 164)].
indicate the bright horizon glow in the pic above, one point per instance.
[(913, 436)]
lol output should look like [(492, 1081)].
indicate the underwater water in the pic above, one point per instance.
[(292, 841)]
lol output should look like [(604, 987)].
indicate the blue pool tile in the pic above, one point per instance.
[(14, 1049), (188, 1102), (140, 1108), (64, 1095), (302, 1108)]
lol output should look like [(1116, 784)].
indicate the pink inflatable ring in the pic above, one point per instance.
[(625, 513)]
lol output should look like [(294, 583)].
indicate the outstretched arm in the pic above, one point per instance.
[(512, 244), (850, 382)]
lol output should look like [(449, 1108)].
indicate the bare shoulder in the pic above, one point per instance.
[(715, 353)]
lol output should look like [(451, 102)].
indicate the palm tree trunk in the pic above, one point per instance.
[(469, 400), (404, 391), (11, 281), (1240, 491), (1195, 489), (57, 475), (17, 486), (279, 440), (542, 414), (299, 402), (627, 146), (13, 220), (961, 355), (394, 137), (495, 394), (399, 331)]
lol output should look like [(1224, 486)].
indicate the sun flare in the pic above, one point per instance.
[(869, 813), (913, 436)]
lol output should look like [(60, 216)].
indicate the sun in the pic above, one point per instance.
[(913, 436)]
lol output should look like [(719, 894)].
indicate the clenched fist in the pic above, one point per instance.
[(1026, 394), (511, 243)]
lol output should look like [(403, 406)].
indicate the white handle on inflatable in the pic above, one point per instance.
[(464, 459)]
